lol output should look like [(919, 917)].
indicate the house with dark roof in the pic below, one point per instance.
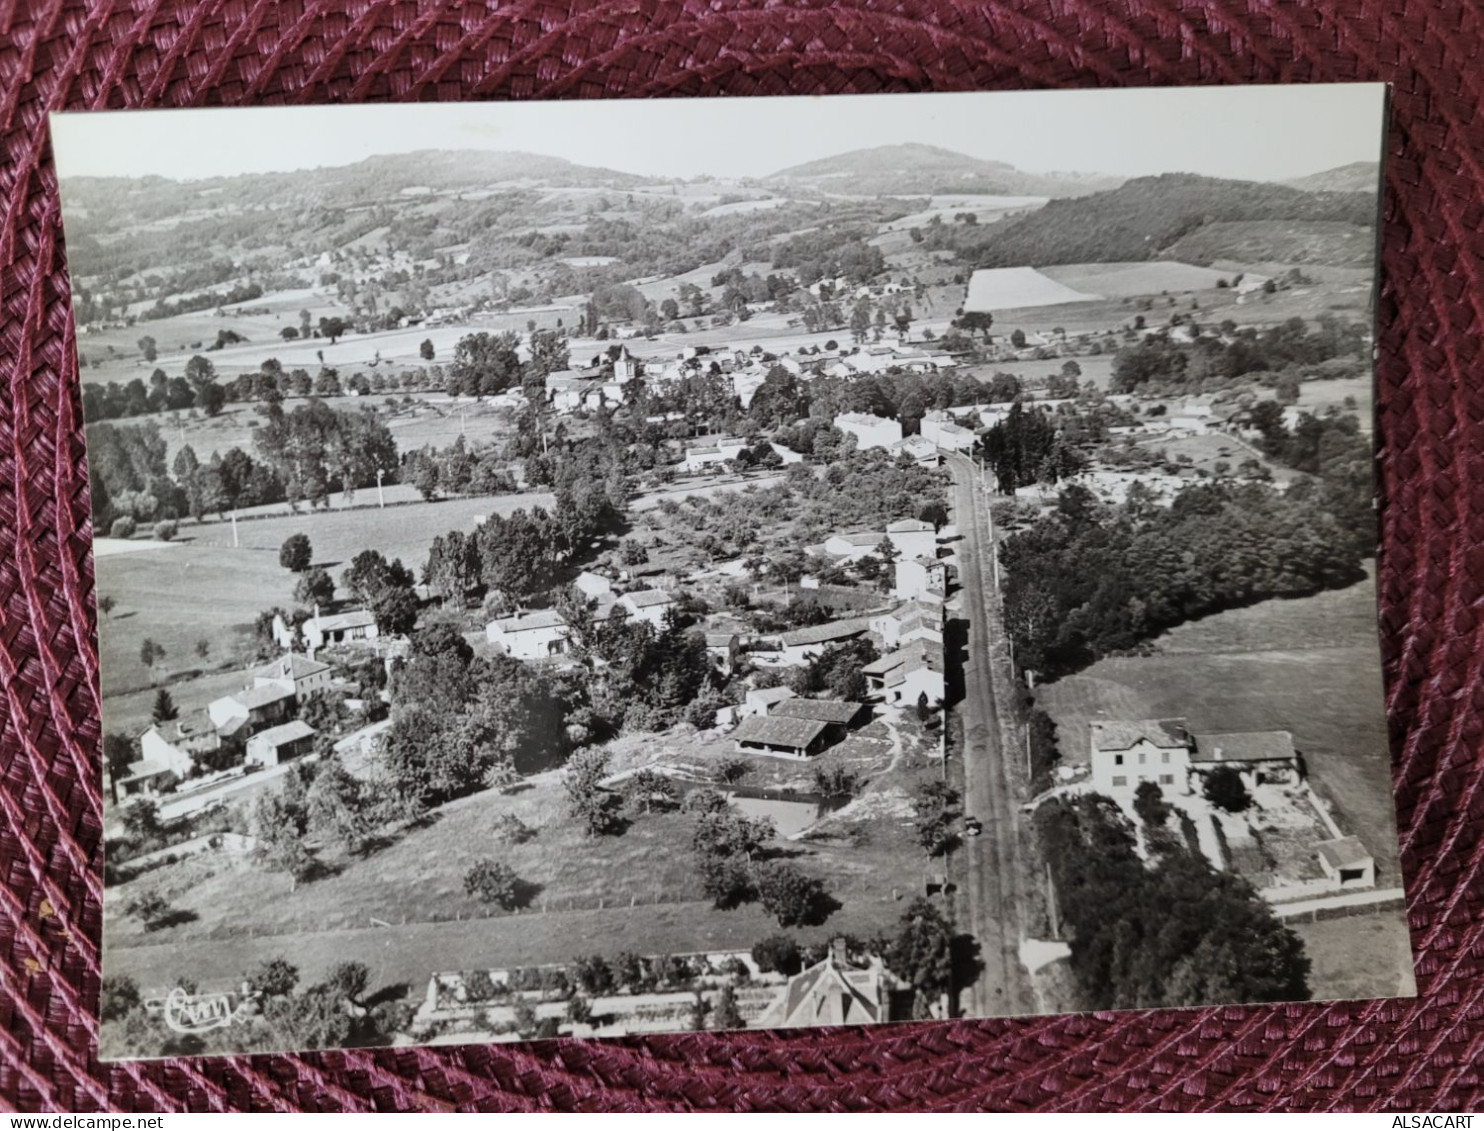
[(255, 707), (281, 743), (834, 711), (325, 631), (782, 737), (169, 749), (803, 644), (295, 672), (838, 717)]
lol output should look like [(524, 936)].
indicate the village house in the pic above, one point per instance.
[(782, 737), (257, 707), (853, 547), (939, 429), (353, 627), (915, 620), (920, 578), (280, 744), (648, 605), (906, 676), (1124, 754), (296, 673), (565, 389), (1163, 751), (710, 453), (532, 636), (919, 450), (593, 585), (869, 431), (755, 703), (913, 538), (167, 751), (724, 648), (834, 991), (804, 644), (174, 744)]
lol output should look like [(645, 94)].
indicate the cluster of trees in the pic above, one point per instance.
[(831, 251), (460, 722), (302, 455), (280, 819), (639, 677), (837, 670), (384, 587), (936, 810), (485, 365), (315, 449), (1031, 447), (1172, 933), (1157, 364), (206, 300), (1086, 581), (735, 868), (1334, 450), (783, 399), (197, 389), (768, 525), (457, 470)]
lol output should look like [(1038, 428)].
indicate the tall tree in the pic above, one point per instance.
[(164, 709)]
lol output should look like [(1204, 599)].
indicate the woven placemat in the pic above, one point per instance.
[(1418, 1054)]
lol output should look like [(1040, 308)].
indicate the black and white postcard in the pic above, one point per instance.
[(595, 568)]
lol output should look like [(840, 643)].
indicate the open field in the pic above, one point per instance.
[(1310, 666), (644, 882), (200, 587), (1360, 956), (995, 289), (1316, 396), (405, 956), (1131, 280), (131, 712), (1215, 306), (1205, 452)]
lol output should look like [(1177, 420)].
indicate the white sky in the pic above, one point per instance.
[(1251, 133)]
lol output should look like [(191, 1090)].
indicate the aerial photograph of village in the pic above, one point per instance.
[(591, 569)]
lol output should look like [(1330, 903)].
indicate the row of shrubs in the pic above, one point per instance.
[(125, 527)]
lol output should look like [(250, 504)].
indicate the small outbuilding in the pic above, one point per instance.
[(782, 737)]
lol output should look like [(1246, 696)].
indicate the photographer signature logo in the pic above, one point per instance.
[(198, 1013)]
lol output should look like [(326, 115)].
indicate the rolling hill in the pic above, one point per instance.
[(1358, 176), (1142, 218), (912, 169)]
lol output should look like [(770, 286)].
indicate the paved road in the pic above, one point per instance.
[(991, 873)]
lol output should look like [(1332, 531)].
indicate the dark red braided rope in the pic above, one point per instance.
[(118, 53)]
